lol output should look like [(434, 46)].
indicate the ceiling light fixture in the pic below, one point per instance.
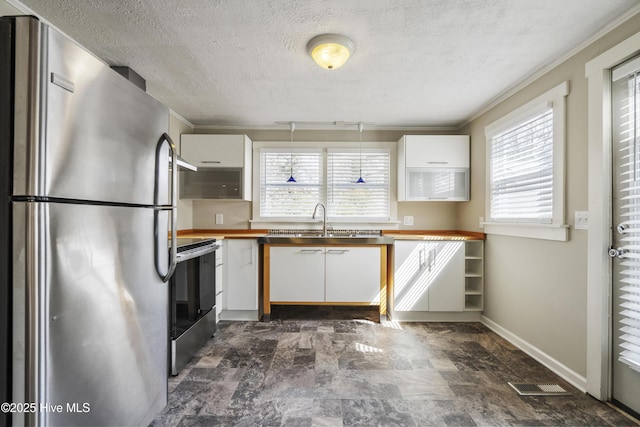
[(330, 51)]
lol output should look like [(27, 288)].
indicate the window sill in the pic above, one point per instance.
[(558, 233)]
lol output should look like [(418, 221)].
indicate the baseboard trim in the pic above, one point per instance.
[(241, 315), (572, 377), (430, 316)]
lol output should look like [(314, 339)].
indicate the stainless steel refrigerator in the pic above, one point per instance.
[(84, 225)]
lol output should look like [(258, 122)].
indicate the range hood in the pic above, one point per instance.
[(184, 165)]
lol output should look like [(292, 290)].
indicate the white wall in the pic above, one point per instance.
[(7, 10), (537, 289)]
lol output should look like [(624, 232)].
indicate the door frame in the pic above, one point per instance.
[(599, 265)]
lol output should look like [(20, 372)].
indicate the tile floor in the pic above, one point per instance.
[(326, 367)]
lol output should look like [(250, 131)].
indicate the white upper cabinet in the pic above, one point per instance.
[(435, 151), (224, 167), (433, 167), (216, 151)]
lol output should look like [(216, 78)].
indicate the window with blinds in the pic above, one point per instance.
[(521, 171), (526, 169), (336, 186), (626, 143), (282, 199), (349, 199)]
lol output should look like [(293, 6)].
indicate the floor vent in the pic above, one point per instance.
[(546, 389)]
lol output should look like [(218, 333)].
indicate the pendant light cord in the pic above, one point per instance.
[(291, 178), (360, 128)]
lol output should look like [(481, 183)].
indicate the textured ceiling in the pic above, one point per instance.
[(417, 62)]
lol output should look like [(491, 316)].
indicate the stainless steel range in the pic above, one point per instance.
[(193, 298)]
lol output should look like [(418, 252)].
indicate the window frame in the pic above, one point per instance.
[(286, 151), (257, 221), (555, 99), (327, 153)]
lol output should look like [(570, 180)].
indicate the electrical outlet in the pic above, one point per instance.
[(582, 220), (219, 219), (408, 220), (481, 222)]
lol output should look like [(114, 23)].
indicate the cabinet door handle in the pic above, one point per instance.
[(310, 251), (213, 162), (337, 251), (438, 163), (432, 258)]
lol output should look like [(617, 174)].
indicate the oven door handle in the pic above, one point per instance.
[(172, 208), (185, 256)]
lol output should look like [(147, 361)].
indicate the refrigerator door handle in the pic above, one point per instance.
[(172, 208)]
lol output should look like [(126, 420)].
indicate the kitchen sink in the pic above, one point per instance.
[(335, 238)]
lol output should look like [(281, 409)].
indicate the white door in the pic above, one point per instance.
[(626, 235), (445, 277), (242, 274), (353, 274), (410, 268), (297, 274)]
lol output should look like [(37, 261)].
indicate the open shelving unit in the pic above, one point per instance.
[(473, 275)]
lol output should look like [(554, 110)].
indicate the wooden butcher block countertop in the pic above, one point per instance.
[(434, 235), (220, 234), (395, 234)]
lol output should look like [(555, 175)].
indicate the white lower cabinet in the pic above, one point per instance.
[(353, 275), (297, 274), (240, 287), (325, 274), (220, 279), (429, 276)]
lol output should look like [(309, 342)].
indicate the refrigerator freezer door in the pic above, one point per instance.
[(101, 341), (98, 131), (5, 217)]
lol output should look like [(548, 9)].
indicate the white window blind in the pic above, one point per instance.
[(626, 123), (282, 199), (346, 198), (521, 171)]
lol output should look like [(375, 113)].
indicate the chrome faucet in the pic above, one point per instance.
[(324, 217)]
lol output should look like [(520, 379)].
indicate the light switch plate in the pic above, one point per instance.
[(582, 220), (408, 220), (219, 219)]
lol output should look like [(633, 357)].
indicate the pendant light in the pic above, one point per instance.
[(360, 180), (291, 178)]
